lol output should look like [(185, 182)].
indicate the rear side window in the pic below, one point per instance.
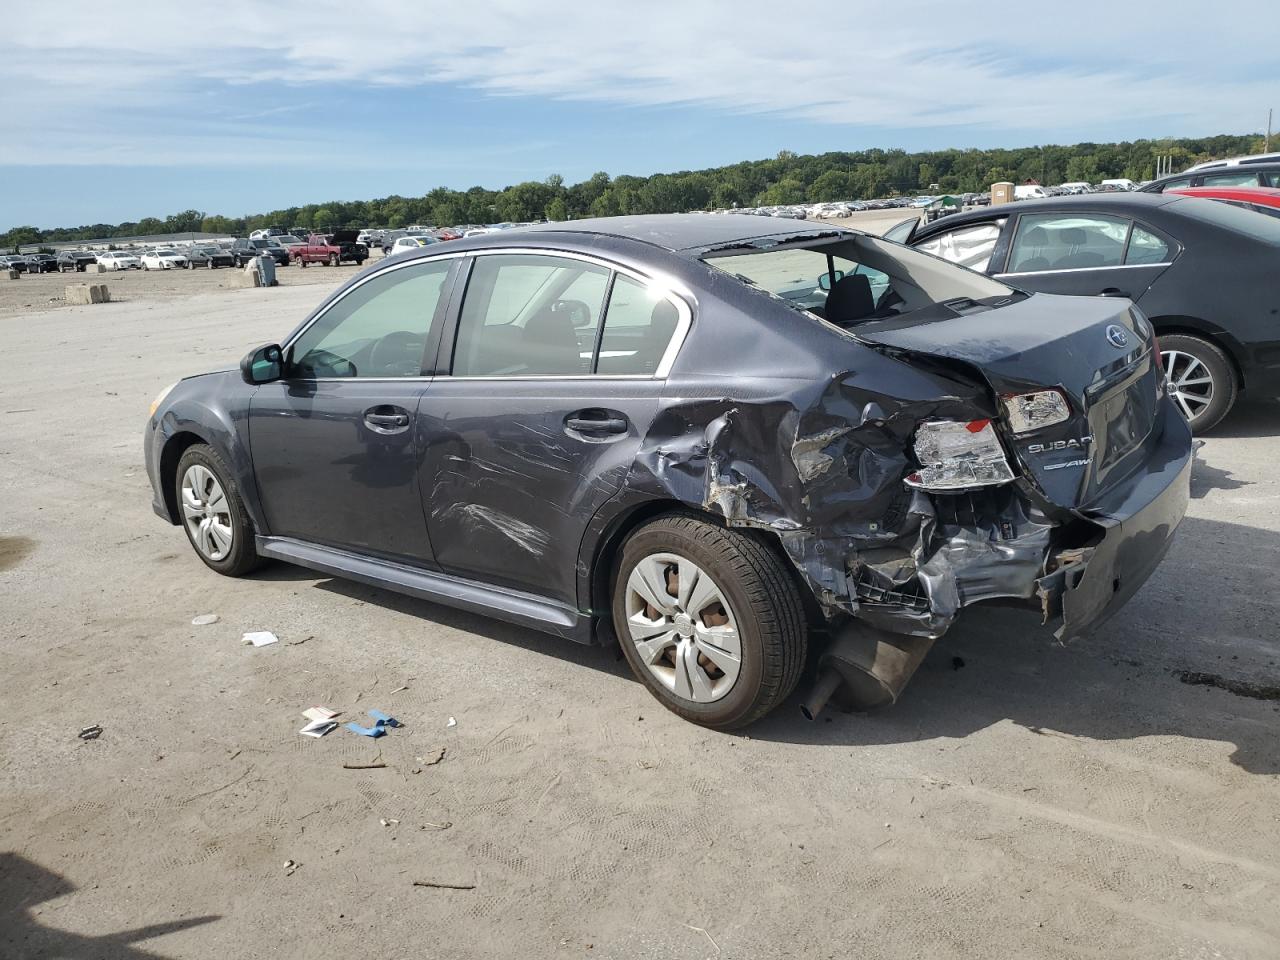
[(1176, 184), (1270, 179), (968, 246), (638, 328), (1247, 179), (1244, 222), (529, 315), (1055, 241), (1145, 247)]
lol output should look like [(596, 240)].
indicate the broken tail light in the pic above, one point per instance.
[(958, 456)]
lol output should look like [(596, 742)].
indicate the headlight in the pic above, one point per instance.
[(160, 398), (1033, 411), (958, 456)]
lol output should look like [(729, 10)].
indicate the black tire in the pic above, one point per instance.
[(243, 555), (765, 601), (1225, 387)]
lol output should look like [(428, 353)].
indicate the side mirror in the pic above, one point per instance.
[(825, 281), (263, 365)]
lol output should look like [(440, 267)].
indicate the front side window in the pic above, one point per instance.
[(1270, 178), (379, 329), (1055, 241), (529, 315), (967, 246), (1176, 184)]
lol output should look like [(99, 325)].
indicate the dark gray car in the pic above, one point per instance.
[(700, 437)]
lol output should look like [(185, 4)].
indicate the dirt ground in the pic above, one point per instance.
[(1115, 797)]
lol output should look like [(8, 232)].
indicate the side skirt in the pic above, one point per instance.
[(501, 603)]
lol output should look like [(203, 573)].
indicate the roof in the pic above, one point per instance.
[(1267, 196), (690, 231)]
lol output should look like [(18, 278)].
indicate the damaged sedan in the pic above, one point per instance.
[(735, 446)]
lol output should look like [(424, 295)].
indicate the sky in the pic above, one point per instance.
[(120, 110)]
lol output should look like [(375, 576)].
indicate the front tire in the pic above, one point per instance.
[(213, 514), (710, 620), (1200, 377)]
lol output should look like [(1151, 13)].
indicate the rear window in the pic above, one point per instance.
[(1237, 220), (850, 281)]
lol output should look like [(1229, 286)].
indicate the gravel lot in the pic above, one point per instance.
[(1025, 799)]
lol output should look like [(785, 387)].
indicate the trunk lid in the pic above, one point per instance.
[(1097, 351)]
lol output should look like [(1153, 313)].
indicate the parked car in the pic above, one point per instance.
[(42, 263), (119, 260), (405, 244), (245, 250), (289, 240), (1202, 271), (1031, 191), (332, 249), (163, 260), (13, 262), (1264, 200), (267, 232), (209, 256), (71, 261), (1261, 171), (546, 427)]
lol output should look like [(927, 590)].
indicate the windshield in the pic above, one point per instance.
[(888, 279)]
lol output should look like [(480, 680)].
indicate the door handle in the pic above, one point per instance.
[(1114, 292), (596, 424), (386, 420)]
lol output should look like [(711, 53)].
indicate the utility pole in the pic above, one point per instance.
[(1266, 144)]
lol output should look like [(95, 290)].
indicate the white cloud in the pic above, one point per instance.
[(901, 65)]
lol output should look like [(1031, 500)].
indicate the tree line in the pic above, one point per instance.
[(788, 178)]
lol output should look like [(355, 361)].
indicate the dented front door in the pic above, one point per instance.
[(514, 469)]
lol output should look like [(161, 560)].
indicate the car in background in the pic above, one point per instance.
[(245, 250), (72, 261), (267, 232), (333, 249), (1262, 171), (13, 262), (119, 260), (42, 263), (1264, 200), (1203, 272), (210, 256), (547, 427), (1030, 191), (405, 244), (163, 259), (288, 240)]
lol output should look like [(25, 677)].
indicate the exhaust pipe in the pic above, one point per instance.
[(864, 668)]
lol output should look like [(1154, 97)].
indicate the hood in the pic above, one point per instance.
[(343, 236)]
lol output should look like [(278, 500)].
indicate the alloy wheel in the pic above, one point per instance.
[(683, 627), (207, 512), (1190, 382)]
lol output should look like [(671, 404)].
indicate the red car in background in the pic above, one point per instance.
[(1262, 199)]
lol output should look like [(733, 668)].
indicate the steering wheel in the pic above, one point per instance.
[(398, 354), (579, 313)]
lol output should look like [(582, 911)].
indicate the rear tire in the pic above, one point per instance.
[(212, 512), (1201, 379), (742, 596)]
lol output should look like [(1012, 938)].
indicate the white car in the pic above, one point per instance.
[(163, 260), (118, 260), (404, 244)]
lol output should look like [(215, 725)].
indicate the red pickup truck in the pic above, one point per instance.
[(332, 249)]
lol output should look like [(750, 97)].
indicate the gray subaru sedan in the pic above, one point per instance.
[(710, 440)]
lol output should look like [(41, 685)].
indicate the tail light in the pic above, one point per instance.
[(958, 456)]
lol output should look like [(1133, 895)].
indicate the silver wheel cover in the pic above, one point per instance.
[(1190, 383), (207, 512), (683, 628)]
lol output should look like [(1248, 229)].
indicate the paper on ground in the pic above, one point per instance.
[(260, 638)]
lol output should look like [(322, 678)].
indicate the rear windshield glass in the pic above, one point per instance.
[(862, 278), (1236, 219)]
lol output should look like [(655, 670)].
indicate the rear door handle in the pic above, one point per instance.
[(386, 419), (1114, 292), (587, 424)]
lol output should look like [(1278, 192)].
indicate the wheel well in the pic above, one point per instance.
[(173, 450), (1193, 328), (605, 564)]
